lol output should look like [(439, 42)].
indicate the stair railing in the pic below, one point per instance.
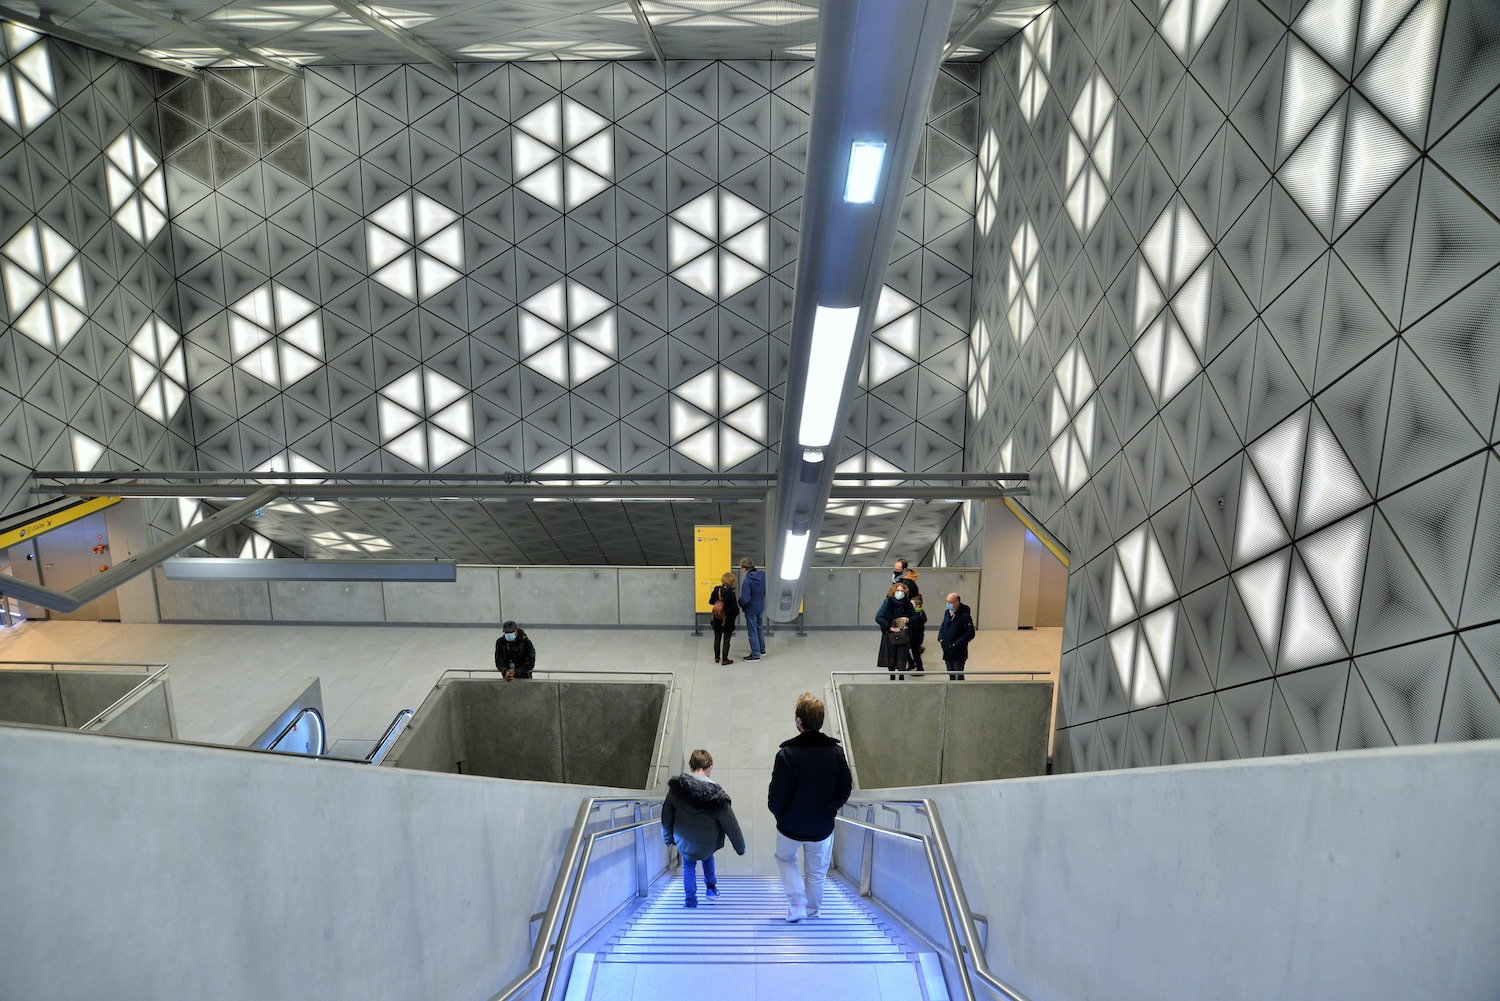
[(557, 920), (958, 919)]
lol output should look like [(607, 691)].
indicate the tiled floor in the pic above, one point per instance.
[(225, 679)]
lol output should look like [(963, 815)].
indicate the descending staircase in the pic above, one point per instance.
[(742, 947)]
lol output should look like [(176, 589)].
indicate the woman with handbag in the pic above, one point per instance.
[(726, 611), (894, 619)]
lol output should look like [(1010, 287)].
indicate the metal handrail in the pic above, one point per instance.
[(322, 731), (54, 665), (566, 924), (967, 671), (965, 917), (134, 691), (491, 672), (383, 745), (565, 875)]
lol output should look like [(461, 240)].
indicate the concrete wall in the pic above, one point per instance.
[(139, 870), (907, 734), (1366, 875), (147, 713), (548, 731), (61, 698), (838, 597)]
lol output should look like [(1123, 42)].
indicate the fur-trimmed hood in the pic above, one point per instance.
[(706, 794)]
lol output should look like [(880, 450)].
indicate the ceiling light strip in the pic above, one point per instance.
[(400, 36), (202, 34), (976, 19), (97, 44)]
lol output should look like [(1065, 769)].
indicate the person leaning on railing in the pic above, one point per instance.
[(515, 654)]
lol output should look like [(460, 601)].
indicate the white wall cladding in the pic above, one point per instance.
[(1236, 290), (92, 370)]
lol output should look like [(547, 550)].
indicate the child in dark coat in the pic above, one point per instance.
[(696, 817)]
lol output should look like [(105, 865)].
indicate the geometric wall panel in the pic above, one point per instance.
[(529, 268), (1333, 414)]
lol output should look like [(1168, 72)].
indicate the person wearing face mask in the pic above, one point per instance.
[(515, 654), (895, 645), (954, 636), (902, 573)]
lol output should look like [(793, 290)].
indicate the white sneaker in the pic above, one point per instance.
[(796, 913)]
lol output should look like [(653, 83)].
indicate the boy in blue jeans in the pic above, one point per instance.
[(695, 817)]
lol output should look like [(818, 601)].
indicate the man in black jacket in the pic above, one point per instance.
[(810, 782), (954, 636), (515, 654)]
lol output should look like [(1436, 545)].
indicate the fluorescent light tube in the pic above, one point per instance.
[(828, 359), (865, 161), (794, 555)]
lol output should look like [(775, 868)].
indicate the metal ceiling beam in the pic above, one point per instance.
[(75, 598), (400, 36), (447, 479), (56, 30), (528, 493), (877, 64), (650, 33), (970, 26), (193, 29)]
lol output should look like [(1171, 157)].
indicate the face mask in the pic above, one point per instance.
[(949, 604), (510, 637), (900, 595)]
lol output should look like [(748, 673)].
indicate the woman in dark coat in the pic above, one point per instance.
[(724, 628), (896, 657)]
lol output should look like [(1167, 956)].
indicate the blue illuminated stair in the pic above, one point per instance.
[(741, 948)]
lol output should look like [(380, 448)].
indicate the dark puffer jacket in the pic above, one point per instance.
[(517, 655), (809, 783), (696, 817)]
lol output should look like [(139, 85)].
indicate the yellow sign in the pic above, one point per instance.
[(57, 519), (712, 559)]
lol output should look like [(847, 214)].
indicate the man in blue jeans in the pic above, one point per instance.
[(753, 601)]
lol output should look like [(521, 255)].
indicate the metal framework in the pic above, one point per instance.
[(400, 36), (202, 34)]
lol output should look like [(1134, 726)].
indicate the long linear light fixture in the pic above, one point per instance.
[(877, 63)]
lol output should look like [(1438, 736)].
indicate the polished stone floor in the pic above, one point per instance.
[(226, 678)]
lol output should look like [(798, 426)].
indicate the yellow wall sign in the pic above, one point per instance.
[(713, 557), (56, 519)]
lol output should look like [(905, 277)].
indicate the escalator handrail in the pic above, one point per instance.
[(942, 855), (383, 745), (569, 871), (322, 732)]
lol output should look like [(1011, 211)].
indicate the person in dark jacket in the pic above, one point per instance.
[(724, 628), (753, 601), (810, 783), (696, 817), (895, 656), (954, 636), (902, 573), (515, 654)]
